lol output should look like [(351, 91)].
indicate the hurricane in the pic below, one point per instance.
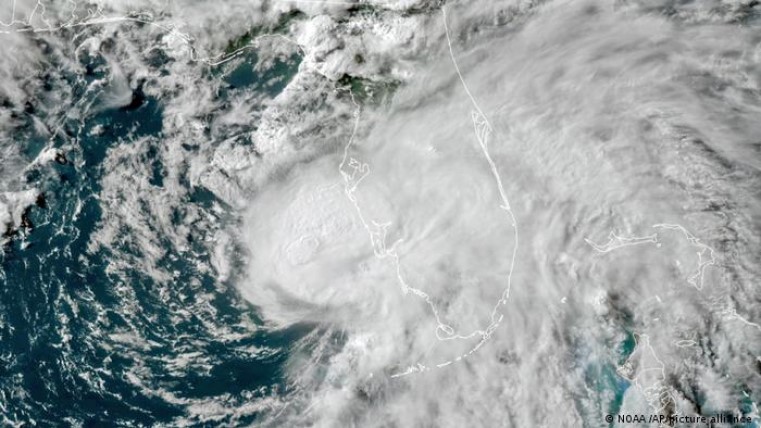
[(404, 213)]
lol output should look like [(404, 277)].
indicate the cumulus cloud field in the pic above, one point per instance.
[(506, 213)]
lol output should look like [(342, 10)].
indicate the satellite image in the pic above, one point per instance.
[(380, 213)]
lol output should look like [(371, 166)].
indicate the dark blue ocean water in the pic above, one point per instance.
[(65, 312), (86, 342)]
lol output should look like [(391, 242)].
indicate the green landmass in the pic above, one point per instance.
[(280, 27), (366, 91)]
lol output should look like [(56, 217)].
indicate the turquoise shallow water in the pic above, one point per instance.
[(119, 297)]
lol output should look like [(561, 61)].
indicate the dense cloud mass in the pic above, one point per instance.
[(413, 213)]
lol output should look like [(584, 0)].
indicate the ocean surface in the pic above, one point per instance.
[(84, 345), (397, 214)]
